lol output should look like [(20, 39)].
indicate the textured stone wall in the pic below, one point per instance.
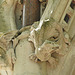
[(7, 17), (44, 48)]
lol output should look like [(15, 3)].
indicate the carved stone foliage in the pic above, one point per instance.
[(50, 40)]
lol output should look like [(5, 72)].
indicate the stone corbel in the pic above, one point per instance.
[(49, 40)]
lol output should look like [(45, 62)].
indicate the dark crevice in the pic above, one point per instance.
[(67, 18), (20, 17), (21, 1), (6, 72), (72, 5)]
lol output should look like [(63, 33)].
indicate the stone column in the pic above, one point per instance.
[(23, 65), (31, 11)]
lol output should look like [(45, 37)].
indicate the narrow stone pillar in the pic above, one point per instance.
[(23, 65)]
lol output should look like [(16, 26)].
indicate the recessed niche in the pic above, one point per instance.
[(67, 18), (72, 5)]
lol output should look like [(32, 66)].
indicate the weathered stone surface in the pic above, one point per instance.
[(23, 63), (46, 42), (7, 18)]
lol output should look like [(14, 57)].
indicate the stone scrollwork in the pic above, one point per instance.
[(49, 40)]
